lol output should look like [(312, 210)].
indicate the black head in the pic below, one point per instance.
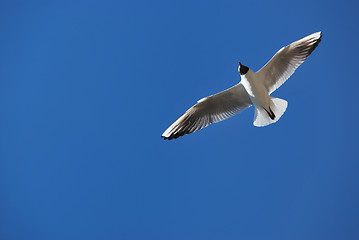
[(242, 69)]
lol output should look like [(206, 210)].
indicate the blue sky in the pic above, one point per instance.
[(88, 87)]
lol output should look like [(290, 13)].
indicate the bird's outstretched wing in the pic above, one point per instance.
[(208, 110), (287, 60)]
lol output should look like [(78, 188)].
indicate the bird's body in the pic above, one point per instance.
[(253, 89), (256, 90)]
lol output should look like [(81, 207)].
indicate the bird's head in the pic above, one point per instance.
[(242, 69)]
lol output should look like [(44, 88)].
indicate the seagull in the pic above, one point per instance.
[(253, 89)]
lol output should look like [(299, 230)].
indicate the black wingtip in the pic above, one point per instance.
[(166, 138), (318, 40), (315, 45), (173, 136)]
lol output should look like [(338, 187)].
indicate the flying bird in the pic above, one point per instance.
[(253, 89)]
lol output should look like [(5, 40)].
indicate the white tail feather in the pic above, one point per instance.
[(261, 116)]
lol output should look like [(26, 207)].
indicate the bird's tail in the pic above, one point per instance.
[(263, 117)]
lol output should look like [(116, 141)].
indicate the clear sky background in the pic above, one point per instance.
[(88, 87)]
